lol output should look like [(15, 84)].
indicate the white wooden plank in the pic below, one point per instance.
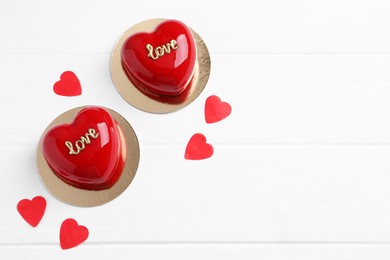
[(276, 99), (279, 26), (223, 251), (241, 194)]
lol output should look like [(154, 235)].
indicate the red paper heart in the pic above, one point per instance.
[(68, 85), (32, 210), (88, 152), (168, 74), (197, 148), (216, 110), (72, 234)]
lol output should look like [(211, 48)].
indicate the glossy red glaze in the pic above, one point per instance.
[(99, 164), (167, 74)]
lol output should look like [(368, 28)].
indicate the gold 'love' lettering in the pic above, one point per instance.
[(161, 50), (80, 144)]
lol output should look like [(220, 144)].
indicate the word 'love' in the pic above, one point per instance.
[(161, 50), (80, 144)]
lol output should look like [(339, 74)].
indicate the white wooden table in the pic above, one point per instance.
[(301, 168)]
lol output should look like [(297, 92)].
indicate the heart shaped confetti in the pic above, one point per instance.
[(72, 234), (32, 210), (216, 110), (68, 85), (197, 148)]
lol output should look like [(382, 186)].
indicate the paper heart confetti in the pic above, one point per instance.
[(33, 210), (68, 85), (197, 148), (216, 110), (72, 234)]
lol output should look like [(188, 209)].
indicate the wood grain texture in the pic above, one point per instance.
[(287, 99), (192, 252), (301, 167), (280, 26), (272, 194)]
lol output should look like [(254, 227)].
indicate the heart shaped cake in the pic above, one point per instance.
[(161, 62), (87, 153)]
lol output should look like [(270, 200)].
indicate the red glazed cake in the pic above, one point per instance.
[(87, 153), (162, 62)]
